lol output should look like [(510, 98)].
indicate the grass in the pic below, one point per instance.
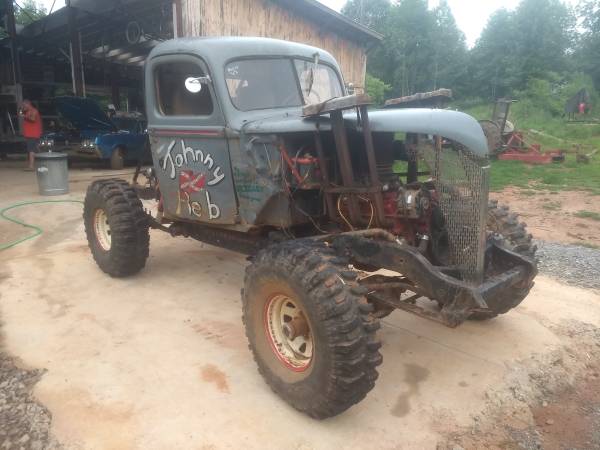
[(588, 215), (557, 134), (528, 193), (553, 177), (552, 206), (569, 175)]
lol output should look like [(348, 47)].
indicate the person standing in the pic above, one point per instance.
[(32, 129)]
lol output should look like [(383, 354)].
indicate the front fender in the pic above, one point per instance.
[(454, 125), (105, 149)]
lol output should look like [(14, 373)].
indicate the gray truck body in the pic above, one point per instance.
[(236, 150)]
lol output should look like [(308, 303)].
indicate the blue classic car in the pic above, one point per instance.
[(90, 134)]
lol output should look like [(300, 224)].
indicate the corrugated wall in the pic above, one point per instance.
[(267, 19)]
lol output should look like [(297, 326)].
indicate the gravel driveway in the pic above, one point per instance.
[(571, 264), (25, 423)]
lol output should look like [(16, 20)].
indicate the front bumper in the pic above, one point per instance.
[(79, 152), (506, 271)]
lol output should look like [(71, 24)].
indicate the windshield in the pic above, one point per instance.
[(319, 83), (273, 83)]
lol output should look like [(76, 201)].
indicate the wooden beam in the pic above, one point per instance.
[(336, 104), (177, 19), (76, 61), (325, 182), (373, 174), (136, 59), (114, 86), (345, 161)]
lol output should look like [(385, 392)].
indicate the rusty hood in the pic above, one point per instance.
[(454, 125)]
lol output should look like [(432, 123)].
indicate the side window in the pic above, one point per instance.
[(173, 97)]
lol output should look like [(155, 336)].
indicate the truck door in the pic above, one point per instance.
[(187, 138)]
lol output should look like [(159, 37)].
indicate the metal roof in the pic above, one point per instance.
[(103, 30), (103, 36), (310, 9), (217, 51), (327, 17)]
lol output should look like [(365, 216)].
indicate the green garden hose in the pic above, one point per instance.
[(37, 230)]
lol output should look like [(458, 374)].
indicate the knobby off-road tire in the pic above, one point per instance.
[(516, 238), (341, 367), (116, 227)]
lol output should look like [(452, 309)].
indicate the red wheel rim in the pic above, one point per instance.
[(288, 332)]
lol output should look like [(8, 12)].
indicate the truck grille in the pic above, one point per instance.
[(462, 182)]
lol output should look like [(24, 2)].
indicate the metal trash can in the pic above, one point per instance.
[(52, 173)]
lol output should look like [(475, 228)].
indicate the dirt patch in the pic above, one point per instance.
[(549, 402), (573, 417), (24, 423), (552, 216)]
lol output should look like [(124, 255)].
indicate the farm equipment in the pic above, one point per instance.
[(506, 143), (257, 149)]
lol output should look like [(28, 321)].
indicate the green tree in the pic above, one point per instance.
[(493, 60), (370, 13), (377, 89), (421, 49), (27, 11), (531, 42), (409, 49), (375, 15), (545, 31), (587, 55), (450, 58)]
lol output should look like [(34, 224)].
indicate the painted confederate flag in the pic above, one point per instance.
[(190, 182)]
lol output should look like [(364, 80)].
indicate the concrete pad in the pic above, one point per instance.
[(160, 360)]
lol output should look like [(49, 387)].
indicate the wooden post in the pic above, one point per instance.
[(76, 60), (324, 176), (177, 19), (412, 155), (377, 197), (114, 87), (16, 59), (345, 161)]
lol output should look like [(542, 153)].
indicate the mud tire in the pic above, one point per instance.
[(346, 350), (516, 238), (129, 236)]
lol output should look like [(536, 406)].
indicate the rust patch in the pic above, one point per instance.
[(212, 374), (223, 333), (79, 248)]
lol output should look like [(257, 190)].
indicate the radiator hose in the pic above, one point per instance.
[(37, 230)]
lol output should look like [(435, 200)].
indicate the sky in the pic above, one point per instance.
[(471, 15)]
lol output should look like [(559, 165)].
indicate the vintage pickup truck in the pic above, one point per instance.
[(89, 133), (258, 148)]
